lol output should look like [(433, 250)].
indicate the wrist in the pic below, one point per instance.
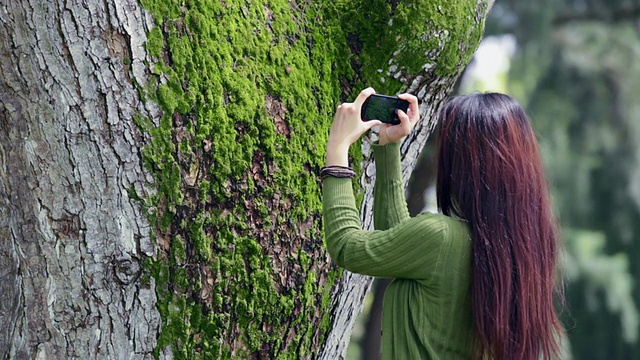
[(383, 140), (337, 154)]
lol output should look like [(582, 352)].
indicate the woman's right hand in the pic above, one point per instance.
[(347, 127), (394, 133)]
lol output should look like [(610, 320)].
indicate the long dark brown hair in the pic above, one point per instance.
[(490, 174)]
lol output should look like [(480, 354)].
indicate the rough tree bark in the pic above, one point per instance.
[(158, 194), (71, 238)]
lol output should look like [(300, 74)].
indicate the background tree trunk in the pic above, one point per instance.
[(71, 237), (158, 168)]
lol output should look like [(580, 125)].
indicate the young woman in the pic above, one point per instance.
[(477, 281)]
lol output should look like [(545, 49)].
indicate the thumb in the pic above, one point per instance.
[(402, 116)]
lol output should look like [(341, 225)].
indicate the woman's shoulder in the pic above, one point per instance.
[(443, 219), (452, 228)]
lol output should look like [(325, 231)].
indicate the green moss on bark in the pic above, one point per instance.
[(248, 91), (426, 34)]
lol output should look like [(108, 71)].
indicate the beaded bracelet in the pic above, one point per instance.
[(337, 171)]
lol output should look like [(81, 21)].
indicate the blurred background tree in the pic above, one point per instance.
[(576, 72), (574, 66)]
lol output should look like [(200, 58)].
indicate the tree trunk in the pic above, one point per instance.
[(158, 188), (72, 239)]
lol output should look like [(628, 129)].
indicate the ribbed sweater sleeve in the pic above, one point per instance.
[(389, 203), (411, 249)]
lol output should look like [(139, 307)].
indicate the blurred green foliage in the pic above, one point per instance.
[(576, 72)]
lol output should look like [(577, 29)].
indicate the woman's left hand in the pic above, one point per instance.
[(394, 133), (347, 128)]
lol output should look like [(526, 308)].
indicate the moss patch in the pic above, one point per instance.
[(439, 35), (248, 91)]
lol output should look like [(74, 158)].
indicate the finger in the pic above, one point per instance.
[(373, 123), (364, 94), (413, 104), (405, 126), (404, 118)]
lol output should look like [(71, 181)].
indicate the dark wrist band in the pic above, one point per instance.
[(337, 171)]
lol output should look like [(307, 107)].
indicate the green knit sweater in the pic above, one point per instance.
[(427, 308)]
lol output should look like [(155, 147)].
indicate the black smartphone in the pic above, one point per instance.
[(383, 108)]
